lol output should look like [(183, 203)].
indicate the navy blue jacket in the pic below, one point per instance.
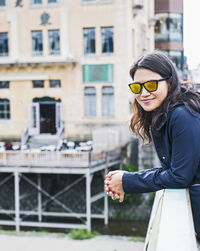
[(178, 148)]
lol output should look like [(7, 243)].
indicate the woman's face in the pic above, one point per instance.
[(149, 101)]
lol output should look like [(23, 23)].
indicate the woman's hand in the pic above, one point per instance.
[(113, 185)]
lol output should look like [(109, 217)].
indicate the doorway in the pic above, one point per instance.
[(44, 116), (47, 118)]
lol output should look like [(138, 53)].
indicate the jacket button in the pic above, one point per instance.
[(163, 157)]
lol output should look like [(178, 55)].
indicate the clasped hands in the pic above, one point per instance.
[(113, 185)]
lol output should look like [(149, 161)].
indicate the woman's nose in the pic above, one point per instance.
[(144, 92)]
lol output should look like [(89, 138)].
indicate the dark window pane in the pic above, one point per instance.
[(36, 1), (4, 109), (53, 1), (3, 3), (169, 27), (4, 84), (89, 40), (38, 83), (37, 43), (3, 44), (107, 39), (55, 83), (54, 42)]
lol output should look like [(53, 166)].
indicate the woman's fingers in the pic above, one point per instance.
[(121, 197), (109, 175)]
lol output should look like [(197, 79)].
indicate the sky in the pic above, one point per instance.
[(191, 37)]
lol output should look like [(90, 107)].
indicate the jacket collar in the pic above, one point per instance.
[(166, 116)]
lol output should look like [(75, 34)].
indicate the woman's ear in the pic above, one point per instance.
[(169, 83)]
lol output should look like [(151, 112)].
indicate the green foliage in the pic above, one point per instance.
[(135, 199), (82, 234), (131, 168), (151, 199), (137, 239)]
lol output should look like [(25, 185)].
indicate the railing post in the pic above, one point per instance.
[(88, 199), (17, 200)]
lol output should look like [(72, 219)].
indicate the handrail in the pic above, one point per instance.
[(60, 135), (171, 224), (56, 159), (24, 137)]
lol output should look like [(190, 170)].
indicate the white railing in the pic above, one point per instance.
[(55, 159), (171, 223), (24, 137)]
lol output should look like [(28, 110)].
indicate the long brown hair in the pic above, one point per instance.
[(141, 120)]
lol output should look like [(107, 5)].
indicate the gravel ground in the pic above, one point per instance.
[(46, 243)]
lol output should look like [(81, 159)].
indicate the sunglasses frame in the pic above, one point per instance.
[(143, 84)]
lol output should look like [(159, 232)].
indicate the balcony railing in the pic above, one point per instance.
[(171, 223), (54, 52), (37, 53), (56, 159), (4, 54)]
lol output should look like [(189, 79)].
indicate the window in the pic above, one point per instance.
[(37, 43), (54, 42), (53, 1), (4, 109), (38, 83), (3, 3), (89, 1), (107, 101), (90, 101), (3, 44), (97, 73), (169, 27), (89, 40), (107, 39), (54, 83), (177, 58), (35, 2), (4, 84)]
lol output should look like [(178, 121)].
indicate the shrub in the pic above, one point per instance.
[(82, 234)]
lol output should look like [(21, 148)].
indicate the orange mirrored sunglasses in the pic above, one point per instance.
[(150, 86)]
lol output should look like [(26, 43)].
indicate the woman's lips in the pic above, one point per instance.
[(146, 101)]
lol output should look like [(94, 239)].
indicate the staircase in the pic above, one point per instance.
[(45, 139)]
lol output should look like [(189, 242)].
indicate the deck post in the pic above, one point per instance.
[(17, 201)]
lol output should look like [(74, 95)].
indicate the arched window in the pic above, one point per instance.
[(108, 101), (90, 101), (4, 109)]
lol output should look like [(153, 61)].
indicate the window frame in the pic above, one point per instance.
[(5, 5), (4, 45), (35, 86), (90, 102), (108, 106), (54, 52), (106, 40), (6, 111), (88, 47), (6, 85), (57, 85), (37, 52), (36, 4), (57, 1)]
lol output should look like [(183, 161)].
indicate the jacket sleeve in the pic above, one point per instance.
[(184, 133)]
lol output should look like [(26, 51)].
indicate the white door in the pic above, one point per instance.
[(58, 116), (34, 119)]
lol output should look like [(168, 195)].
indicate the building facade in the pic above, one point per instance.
[(169, 30), (65, 62)]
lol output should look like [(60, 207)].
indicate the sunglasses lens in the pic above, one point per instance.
[(135, 88), (151, 86)]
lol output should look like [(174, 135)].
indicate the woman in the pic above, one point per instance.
[(167, 113)]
